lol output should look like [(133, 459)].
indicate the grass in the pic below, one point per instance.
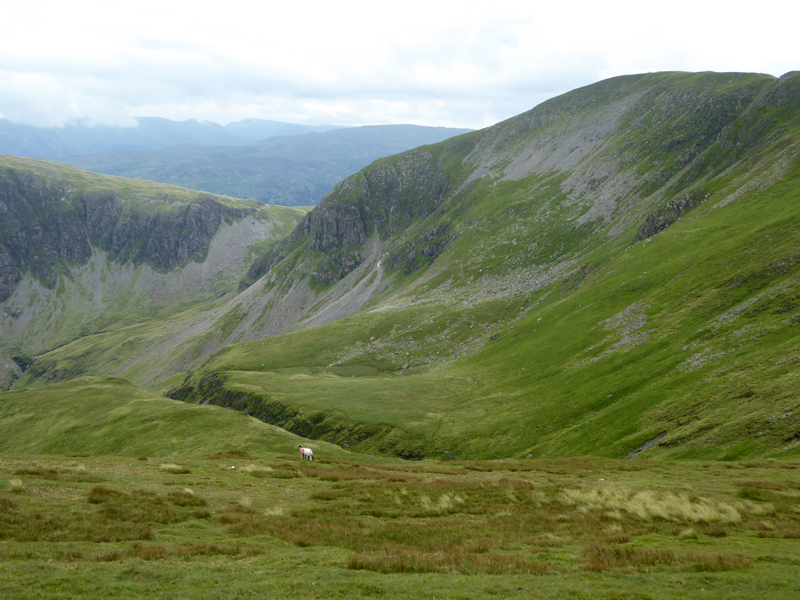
[(692, 334), (351, 527), (94, 501), (175, 469), (97, 416)]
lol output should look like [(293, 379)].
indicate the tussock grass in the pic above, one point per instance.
[(15, 485), (447, 502), (608, 557), (232, 454), (37, 471), (257, 470), (647, 504), (148, 551), (185, 498), (189, 550), (477, 526), (175, 469), (146, 507), (449, 561)]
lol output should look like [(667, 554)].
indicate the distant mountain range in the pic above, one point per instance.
[(292, 170), (150, 134)]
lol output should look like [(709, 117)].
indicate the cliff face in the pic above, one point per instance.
[(44, 226), (78, 249), (383, 200)]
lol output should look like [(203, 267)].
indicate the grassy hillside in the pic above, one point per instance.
[(109, 416), (668, 337), (231, 514), (553, 288), (108, 489)]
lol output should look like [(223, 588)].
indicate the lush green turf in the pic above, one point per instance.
[(110, 416)]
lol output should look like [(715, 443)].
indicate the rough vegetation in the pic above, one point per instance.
[(176, 499), (613, 274)]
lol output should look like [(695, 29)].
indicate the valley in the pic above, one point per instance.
[(550, 286), (556, 357)]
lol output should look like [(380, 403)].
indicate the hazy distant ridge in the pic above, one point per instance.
[(150, 134), (296, 170)]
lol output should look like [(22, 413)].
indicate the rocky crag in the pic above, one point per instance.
[(75, 248)]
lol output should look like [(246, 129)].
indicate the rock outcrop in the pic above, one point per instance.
[(45, 225), (383, 200), (78, 249)]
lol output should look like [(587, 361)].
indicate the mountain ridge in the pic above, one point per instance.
[(77, 248), (329, 244), (149, 133)]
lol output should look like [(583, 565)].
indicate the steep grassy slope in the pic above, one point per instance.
[(617, 264), (79, 251)]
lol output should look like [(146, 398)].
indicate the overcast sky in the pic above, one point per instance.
[(458, 64)]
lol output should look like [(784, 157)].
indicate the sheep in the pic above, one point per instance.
[(306, 453)]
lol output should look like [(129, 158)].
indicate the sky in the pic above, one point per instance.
[(454, 64)]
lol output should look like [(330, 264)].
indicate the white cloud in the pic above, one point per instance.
[(437, 63)]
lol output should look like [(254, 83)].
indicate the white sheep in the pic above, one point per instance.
[(307, 453)]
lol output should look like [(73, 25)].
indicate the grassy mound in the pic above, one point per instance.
[(101, 416)]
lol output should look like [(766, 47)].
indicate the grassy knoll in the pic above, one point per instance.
[(108, 415)]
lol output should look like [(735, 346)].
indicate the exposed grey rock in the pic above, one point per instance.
[(44, 227), (384, 200), (659, 221)]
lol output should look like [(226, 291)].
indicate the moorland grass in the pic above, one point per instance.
[(388, 529), (245, 516)]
